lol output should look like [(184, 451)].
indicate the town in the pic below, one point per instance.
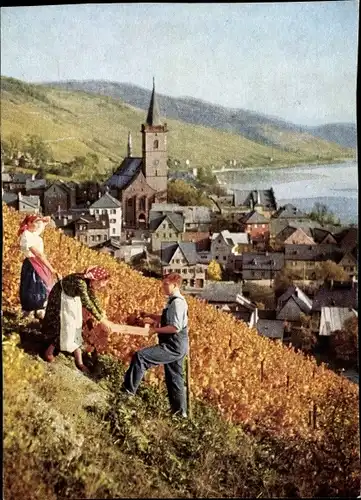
[(291, 277)]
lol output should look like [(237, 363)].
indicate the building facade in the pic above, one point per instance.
[(141, 181)]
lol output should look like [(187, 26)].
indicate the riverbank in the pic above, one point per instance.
[(279, 166)]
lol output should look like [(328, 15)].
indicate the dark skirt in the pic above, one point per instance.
[(33, 293), (51, 321)]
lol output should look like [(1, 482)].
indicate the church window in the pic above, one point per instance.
[(142, 203), (156, 144), (129, 202)]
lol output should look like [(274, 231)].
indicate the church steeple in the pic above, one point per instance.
[(129, 145), (153, 117)]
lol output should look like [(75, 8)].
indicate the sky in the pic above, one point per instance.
[(296, 61)]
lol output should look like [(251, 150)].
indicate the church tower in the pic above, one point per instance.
[(154, 148)]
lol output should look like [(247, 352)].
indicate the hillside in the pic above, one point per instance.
[(254, 126), (344, 134), (77, 123), (268, 394)]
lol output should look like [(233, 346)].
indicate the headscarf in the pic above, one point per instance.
[(29, 219), (96, 273)]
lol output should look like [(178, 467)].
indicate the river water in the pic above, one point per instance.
[(335, 185)]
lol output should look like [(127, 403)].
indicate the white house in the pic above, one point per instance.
[(107, 205), (224, 244), (333, 319), (29, 204)]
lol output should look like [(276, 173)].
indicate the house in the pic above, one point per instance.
[(197, 218), (36, 187), (165, 227), (333, 319), (336, 294), (347, 239), (6, 181), (292, 303), (112, 247), (88, 229), (225, 243), (269, 326), (227, 296), (87, 192), (182, 258), (63, 217), (349, 263), (201, 239), (256, 225), (303, 260), (292, 235), (277, 225), (184, 175), (29, 204), (59, 196), (323, 237), (18, 181), (242, 201), (290, 212), (261, 266), (141, 181), (11, 199), (107, 205)]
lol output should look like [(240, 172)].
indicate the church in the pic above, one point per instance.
[(139, 182)]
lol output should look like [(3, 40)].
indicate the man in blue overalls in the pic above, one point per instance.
[(172, 330)]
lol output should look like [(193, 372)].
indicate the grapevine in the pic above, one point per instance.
[(277, 397)]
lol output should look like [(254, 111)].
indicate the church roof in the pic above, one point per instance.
[(127, 171), (153, 117)]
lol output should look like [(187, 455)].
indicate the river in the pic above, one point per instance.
[(335, 185)]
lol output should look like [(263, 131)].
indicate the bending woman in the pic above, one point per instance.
[(62, 325), (37, 274)]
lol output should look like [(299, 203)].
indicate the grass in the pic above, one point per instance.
[(77, 123)]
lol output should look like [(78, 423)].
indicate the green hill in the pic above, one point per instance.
[(244, 122), (76, 123)]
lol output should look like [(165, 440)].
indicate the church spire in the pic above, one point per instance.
[(153, 117), (129, 145)]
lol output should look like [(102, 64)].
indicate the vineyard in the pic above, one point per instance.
[(266, 387)]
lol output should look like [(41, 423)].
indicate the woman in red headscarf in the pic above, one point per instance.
[(62, 325), (37, 274)]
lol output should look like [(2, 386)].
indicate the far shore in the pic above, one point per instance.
[(291, 165)]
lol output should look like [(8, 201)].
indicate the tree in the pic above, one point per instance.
[(282, 282), (15, 145), (344, 343), (323, 215), (214, 271), (329, 270), (38, 150), (303, 339), (184, 194)]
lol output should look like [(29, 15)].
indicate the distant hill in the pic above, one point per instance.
[(76, 123), (254, 126), (344, 134)]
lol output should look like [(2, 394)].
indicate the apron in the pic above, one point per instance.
[(71, 323)]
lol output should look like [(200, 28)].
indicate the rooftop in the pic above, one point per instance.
[(127, 171), (106, 201), (333, 318), (224, 291)]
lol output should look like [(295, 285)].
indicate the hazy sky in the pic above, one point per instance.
[(292, 60)]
